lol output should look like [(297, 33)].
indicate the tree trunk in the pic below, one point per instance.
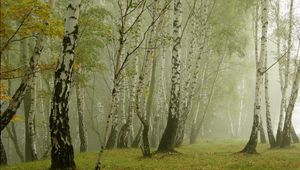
[(286, 133), (26, 103), (13, 136), (212, 90), (250, 148), (137, 139), (286, 77), (81, 122), (62, 153), (268, 114), (193, 135), (11, 130), (294, 135), (45, 122), (111, 142), (189, 89), (262, 131), (194, 130), (31, 118), (146, 144), (3, 158), (238, 129), (155, 130), (168, 139), (126, 131), (18, 97)]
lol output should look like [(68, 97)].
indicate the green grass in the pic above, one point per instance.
[(206, 155)]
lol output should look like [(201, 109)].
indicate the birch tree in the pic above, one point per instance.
[(268, 112), (167, 141), (80, 106), (18, 96), (250, 148), (62, 156), (287, 129)]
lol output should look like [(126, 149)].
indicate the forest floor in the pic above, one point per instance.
[(207, 154)]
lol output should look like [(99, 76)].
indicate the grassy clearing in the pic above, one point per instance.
[(209, 155)]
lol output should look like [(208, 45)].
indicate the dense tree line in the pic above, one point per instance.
[(98, 75)]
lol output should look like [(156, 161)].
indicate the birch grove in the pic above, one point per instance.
[(96, 84)]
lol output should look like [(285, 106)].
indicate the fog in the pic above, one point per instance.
[(149, 84)]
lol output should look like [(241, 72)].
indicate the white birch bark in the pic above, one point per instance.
[(31, 118), (81, 112), (62, 156), (252, 143), (168, 139)]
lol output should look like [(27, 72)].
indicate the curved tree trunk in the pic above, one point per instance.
[(18, 96), (3, 158), (137, 139), (287, 130), (11, 130)]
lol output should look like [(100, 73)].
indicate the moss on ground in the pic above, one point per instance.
[(208, 155)]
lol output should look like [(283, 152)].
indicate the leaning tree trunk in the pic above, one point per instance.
[(167, 141), (18, 97), (286, 135), (62, 153), (268, 114), (81, 123), (3, 158), (137, 138), (250, 148), (12, 130), (13, 136), (294, 135)]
